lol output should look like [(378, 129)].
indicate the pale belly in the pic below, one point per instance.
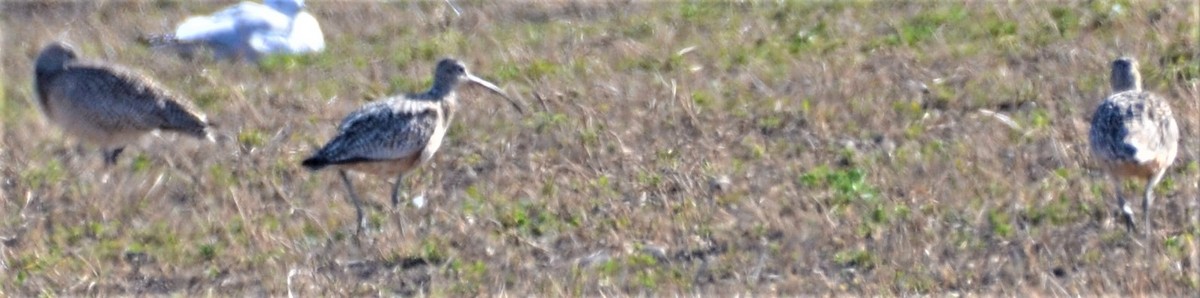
[(1136, 170), (92, 133), (384, 167)]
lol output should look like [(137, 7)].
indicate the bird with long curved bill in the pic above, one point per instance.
[(394, 135)]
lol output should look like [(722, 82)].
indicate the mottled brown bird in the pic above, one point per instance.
[(1133, 135), (395, 135), (107, 104)]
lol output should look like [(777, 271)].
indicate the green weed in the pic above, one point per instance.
[(251, 138), (924, 25), (856, 258)]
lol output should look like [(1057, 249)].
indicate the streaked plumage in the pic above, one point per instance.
[(394, 129), (1133, 135), (394, 135), (106, 104)]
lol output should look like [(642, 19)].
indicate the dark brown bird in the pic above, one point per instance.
[(107, 104)]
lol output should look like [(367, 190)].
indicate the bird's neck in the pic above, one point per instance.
[(440, 91), (1126, 81), (1127, 86), (286, 9)]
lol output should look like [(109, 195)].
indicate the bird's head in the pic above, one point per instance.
[(54, 58), (1125, 75), (450, 73), (287, 7)]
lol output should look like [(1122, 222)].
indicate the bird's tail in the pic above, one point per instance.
[(315, 162), (183, 118), (198, 130)]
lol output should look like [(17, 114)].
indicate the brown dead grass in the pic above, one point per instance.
[(676, 147)]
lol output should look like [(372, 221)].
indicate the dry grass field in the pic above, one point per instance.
[(669, 147)]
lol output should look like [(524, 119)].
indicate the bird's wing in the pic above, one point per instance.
[(218, 25), (306, 33), (231, 24), (1153, 132), (205, 28), (303, 36), (116, 99), (389, 129), (1132, 126)]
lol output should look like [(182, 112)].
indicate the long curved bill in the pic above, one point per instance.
[(495, 89)]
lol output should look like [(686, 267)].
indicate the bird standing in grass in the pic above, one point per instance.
[(107, 104), (250, 30), (397, 134), (1133, 135)]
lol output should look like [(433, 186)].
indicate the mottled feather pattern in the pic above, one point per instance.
[(116, 99), (395, 135), (1134, 126), (388, 129), (1133, 135)]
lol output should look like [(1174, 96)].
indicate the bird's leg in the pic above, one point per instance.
[(110, 156), (1148, 200), (354, 199), (396, 203), (1122, 206), (396, 190)]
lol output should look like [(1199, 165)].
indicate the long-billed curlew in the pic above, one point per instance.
[(1133, 135), (249, 30), (107, 104), (395, 135)]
